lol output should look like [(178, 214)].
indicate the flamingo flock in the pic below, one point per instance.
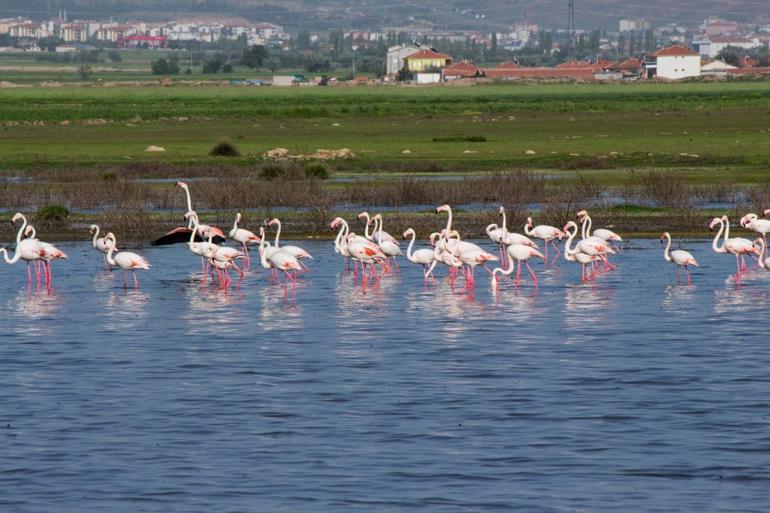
[(375, 254)]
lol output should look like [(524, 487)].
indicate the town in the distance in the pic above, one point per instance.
[(417, 54)]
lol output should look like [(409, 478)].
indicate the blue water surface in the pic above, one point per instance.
[(632, 394)]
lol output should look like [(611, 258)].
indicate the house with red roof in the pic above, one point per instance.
[(462, 69), (676, 62)]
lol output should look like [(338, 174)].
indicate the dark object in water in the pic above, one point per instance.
[(182, 234)]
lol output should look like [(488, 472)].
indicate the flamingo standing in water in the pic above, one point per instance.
[(48, 253), (280, 260), (181, 234), (100, 243), (387, 244), (469, 254), (508, 238), (517, 253), (423, 257), (737, 246), (576, 255), (547, 234), (126, 260), (593, 247), (202, 249), (367, 253), (679, 257), (295, 251), (600, 233), (28, 250), (244, 237)]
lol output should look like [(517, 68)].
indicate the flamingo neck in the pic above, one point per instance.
[(21, 230), (193, 222), (505, 225), (235, 224), (586, 227), (727, 230), (110, 251), (366, 226), (666, 254), (13, 260), (409, 254), (378, 223), (715, 242), (568, 251), (96, 236), (277, 234), (527, 230), (762, 253)]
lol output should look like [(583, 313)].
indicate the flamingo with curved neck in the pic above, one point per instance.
[(295, 251), (423, 257), (571, 229), (737, 246), (679, 257), (28, 250)]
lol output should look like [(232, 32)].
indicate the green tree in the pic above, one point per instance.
[(303, 41), (114, 56), (493, 46), (213, 65), (254, 56)]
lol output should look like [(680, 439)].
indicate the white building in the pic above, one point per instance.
[(396, 56), (629, 25), (676, 62), (711, 47)]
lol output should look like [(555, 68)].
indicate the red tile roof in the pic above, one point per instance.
[(427, 54), (463, 69), (674, 51)]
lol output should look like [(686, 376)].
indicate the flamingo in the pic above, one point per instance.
[(100, 243), (296, 251), (372, 236), (280, 260), (387, 244), (28, 250), (761, 226), (423, 257), (126, 260), (48, 254), (737, 246), (547, 234), (578, 256), (340, 242), (469, 254), (517, 253), (594, 247), (442, 255), (600, 233), (368, 253), (182, 233), (202, 249), (679, 257), (244, 237)]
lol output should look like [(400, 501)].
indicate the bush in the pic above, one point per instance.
[(165, 67), (270, 171), (227, 68), (52, 213), (316, 171), (224, 149)]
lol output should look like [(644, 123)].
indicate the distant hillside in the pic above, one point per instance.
[(481, 14)]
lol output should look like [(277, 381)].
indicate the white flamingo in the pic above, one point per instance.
[(243, 236), (737, 246), (423, 257), (126, 260), (679, 257), (296, 251)]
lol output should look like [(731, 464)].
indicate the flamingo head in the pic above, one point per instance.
[(766, 212), (748, 218), (443, 208), (16, 217), (273, 221), (529, 222), (663, 237), (501, 210), (238, 217), (110, 236), (713, 223), (725, 219), (93, 228), (363, 215), (182, 185), (570, 225), (191, 215), (582, 214), (408, 232), (433, 237)]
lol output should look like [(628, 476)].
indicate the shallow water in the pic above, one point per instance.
[(630, 395)]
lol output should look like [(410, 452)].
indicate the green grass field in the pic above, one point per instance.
[(708, 130)]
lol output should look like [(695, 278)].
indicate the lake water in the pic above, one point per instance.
[(630, 395)]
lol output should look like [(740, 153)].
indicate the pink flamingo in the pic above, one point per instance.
[(244, 237), (368, 253), (517, 253), (576, 255), (181, 234), (28, 250), (100, 243), (600, 233), (679, 257), (761, 226), (764, 262), (282, 261), (547, 234), (387, 245), (737, 246), (126, 260), (295, 251), (48, 254)]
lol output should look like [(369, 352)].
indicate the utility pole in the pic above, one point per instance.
[(571, 29)]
